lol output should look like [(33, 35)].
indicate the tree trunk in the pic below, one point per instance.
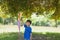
[(56, 24)]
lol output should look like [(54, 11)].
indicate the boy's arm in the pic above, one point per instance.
[(31, 36), (25, 25)]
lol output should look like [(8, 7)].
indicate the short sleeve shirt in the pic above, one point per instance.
[(27, 32)]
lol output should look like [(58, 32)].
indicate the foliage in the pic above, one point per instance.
[(28, 6), (1, 20)]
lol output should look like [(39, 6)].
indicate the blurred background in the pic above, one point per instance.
[(44, 14)]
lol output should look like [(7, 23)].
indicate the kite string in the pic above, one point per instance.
[(19, 29), (19, 16), (18, 26)]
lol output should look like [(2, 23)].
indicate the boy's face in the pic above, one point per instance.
[(28, 23)]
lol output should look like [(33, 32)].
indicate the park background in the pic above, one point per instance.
[(44, 14)]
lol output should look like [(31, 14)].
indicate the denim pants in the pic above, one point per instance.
[(26, 39)]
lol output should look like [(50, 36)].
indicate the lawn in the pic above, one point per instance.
[(36, 36), (53, 33)]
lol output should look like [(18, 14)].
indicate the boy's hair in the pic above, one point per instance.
[(29, 21)]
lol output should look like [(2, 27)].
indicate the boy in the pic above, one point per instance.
[(28, 31)]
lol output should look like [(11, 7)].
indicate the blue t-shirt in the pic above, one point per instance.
[(27, 32)]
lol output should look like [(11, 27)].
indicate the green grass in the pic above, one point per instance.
[(36, 36)]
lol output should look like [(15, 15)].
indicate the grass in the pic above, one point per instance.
[(36, 36), (47, 36), (8, 36)]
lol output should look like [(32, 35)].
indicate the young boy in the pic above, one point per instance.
[(28, 31)]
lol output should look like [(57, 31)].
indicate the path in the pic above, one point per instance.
[(14, 28)]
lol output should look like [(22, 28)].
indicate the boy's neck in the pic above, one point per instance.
[(28, 25)]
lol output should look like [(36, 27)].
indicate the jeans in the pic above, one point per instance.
[(26, 39)]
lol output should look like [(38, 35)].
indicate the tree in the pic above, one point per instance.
[(56, 14), (13, 7)]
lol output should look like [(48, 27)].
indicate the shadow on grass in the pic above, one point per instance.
[(10, 36), (36, 36)]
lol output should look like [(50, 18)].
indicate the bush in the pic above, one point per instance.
[(1, 20)]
